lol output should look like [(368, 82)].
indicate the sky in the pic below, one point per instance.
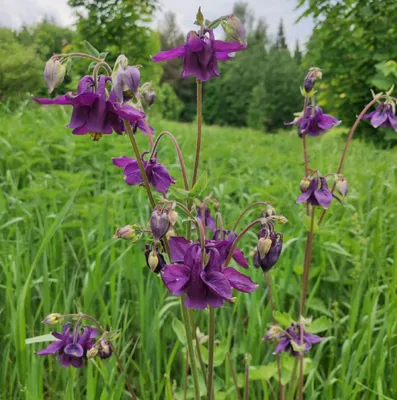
[(14, 13)]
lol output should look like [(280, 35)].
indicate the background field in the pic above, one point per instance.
[(62, 199)]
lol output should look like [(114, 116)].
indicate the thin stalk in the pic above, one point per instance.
[(186, 375), (211, 344), (247, 376), (348, 140), (199, 128), (198, 350), (90, 57), (278, 360), (234, 376), (191, 350), (179, 152), (258, 203), (140, 163)]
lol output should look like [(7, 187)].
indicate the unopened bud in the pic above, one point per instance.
[(273, 333), (54, 73), (281, 219), (53, 319), (126, 82), (92, 352), (148, 93), (304, 184), (104, 349), (159, 222), (153, 260), (170, 234), (173, 217), (122, 61), (126, 232), (270, 211), (342, 186), (234, 28), (264, 246)]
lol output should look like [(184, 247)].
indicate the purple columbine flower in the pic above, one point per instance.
[(383, 117), (204, 283), (70, 352), (290, 340), (157, 173), (200, 54), (314, 122), (266, 259), (94, 112), (317, 194), (204, 215)]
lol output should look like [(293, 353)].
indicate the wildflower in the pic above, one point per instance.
[(290, 340), (202, 279), (126, 82), (71, 349), (383, 117), (342, 186), (156, 173), (93, 111), (315, 195), (268, 249), (314, 122), (200, 54), (53, 319), (204, 215), (310, 79), (54, 73)]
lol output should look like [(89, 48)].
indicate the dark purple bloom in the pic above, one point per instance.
[(383, 117), (266, 261), (203, 283), (157, 173), (315, 195), (126, 82), (70, 352), (204, 215), (290, 340), (314, 122), (200, 54), (93, 112)]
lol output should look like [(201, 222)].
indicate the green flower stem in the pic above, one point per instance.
[(199, 129), (211, 343), (234, 376), (258, 203), (90, 57), (198, 350), (191, 350)]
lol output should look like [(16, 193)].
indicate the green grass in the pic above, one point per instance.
[(62, 200)]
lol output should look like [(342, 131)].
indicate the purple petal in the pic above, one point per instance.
[(223, 56), (217, 283), (327, 122), (61, 100), (227, 47), (370, 115), (215, 261), (176, 278), (65, 360), (282, 345), (239, 281), (170, 54), (178, 247), (213, 300), (74, 349), (76, 362), (161, 179), (312, 338), (51, 348), (143, 127), (126, 111), (133, 174), (197, 302), (393, 121), (238, 256), (79, 117), (122, 161), (305, 195), (378, 119)]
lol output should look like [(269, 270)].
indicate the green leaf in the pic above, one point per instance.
[(319, 325), (103, 55), (91, 49), (199, 17), (200, 185), (40, 339), (216, 25), (207, 22), (179, 330), (284, 319), (92, 65), (263, 372)]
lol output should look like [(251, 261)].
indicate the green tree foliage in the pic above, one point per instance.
[(167, 104), (21, 70), (351, 42), (120, 26)]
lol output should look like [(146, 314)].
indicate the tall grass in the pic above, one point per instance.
[(62, 199)]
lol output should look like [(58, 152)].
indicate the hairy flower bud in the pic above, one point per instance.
[(126, 232), (304, 184), (264, 246), (92, 352), (53, 319), (148, 93), (54, 73), (310, 79), (234, 28), (342, 186), (126, 82), (159, 222)]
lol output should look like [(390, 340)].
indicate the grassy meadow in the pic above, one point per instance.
[(62, 199)]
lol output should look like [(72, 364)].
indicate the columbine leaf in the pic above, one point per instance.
[(200, 185), (103, 55), (199, 17), (284, 319), (263, 372), (91, 49), (92, 65), (319, 325), (179, 330)]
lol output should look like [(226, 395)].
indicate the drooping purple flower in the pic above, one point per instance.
[(290, 340), (94, 112), (200, 54), (203, 283), (160, 222), (314, 122), (157, 173), (204, 215), (70, 352), (317, 194), (383, 117), (267, 259), (126, 82)]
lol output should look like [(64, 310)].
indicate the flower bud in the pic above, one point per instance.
[(126, 232), (304, 184), (264, 246), (310, 79), (126, 82), (104, 349), (153, 260), (122, 61), (148, 93), (173, 217), (54, 73), (342, 186), (281, 219), (273, 333), (53, 319), (234, 28), (159, 222), (92, 352), (270, 211)]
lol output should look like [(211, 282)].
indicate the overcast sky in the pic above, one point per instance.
[(14, 13)]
